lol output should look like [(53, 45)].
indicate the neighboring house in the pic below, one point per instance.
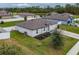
[(4, 34), (61, 18), (8, 17), (5, 15), (68, 14), (36, 26), (12, 19), (28, 16)]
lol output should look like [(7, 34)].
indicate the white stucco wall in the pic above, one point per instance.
[(33, 32), (5, 35), (22, 30)]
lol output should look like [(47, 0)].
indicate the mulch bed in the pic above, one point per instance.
[(43, 36)]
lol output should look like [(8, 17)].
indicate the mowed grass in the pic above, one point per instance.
[(42, 47), (70, 28), (75, 16), (8, 24), (77, 21)]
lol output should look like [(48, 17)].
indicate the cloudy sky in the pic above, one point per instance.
[(9, 5)]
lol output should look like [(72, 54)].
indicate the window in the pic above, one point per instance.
[(25, 33), (37, 31)]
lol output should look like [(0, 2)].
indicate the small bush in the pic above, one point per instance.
[(2, 22)]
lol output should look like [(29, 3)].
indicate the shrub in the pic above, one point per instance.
[(57, 40), (2, 22)]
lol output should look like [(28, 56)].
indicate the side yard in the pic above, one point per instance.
[(44, 46)]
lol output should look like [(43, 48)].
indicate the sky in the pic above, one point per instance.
[(21, 5)]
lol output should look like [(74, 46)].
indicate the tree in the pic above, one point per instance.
[(57, 40), (59, 9)]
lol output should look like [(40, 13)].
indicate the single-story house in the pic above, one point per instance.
[(36, 27), (5, 15), (28, 16), (4, 34), (61, 18)]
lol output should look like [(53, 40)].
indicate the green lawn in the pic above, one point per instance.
[(70, 28), (77, 22), (42, 47), (8, 24), (75, 16), (9, 48)]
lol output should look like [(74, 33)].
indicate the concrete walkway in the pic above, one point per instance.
[(70, 34), (74, 50)]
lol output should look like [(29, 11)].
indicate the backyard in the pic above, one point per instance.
[(35, 46), (8, 24), (69, 28), (9, 47)]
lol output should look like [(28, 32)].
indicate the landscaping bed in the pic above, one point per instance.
[(42, 47), (43, 36)]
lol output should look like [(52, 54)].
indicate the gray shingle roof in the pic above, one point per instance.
[(26, 14), (36, 24), (63, 17), (4, 13)]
